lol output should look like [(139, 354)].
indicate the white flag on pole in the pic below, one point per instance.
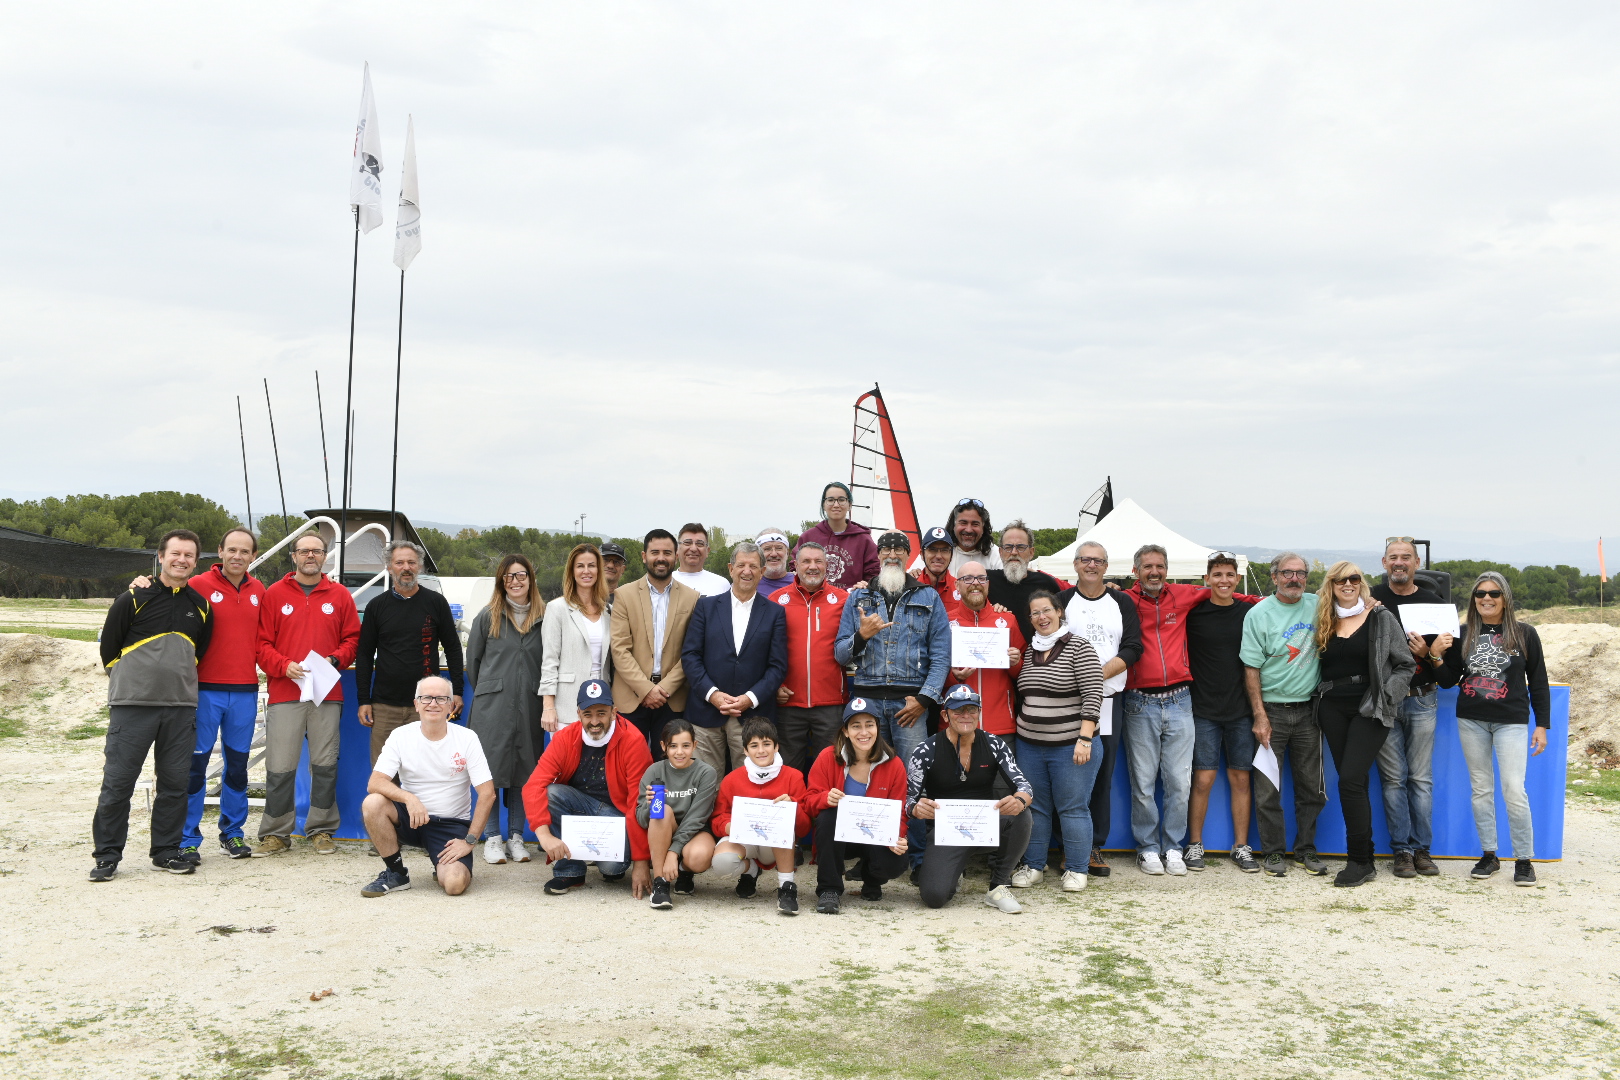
[(365, 179), (408, 225)]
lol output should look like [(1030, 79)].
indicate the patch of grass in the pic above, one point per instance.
[(76, 633), (243, 1064), (87, 730), (11, 727), (1594, 783)]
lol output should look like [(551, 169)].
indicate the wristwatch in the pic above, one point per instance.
[(472, 841)]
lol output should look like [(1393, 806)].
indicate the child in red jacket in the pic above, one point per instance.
[(761, 776)]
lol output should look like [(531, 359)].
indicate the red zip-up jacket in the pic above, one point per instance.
[(627, 760), (996, 687), (292, 625), (888, 780), (813, 674), (737, 785), (228, 663), (1164, 634), (946, 587)]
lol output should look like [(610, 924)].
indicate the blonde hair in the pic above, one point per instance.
[(1327, 618), (570, 588), (500, 609)]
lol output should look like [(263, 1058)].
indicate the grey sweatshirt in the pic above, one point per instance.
[(688, 794)]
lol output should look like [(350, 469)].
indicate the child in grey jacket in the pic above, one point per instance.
[(680, 842)]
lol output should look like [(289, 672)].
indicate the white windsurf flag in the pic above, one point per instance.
[(408, 225), (365, 177)]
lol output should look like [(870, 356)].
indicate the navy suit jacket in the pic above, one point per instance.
[(711, 661)]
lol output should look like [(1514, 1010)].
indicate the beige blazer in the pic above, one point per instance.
[(632, 630)]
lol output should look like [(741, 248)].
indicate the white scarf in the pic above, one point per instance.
[(598, 743), (1043, 643), (762, 774), (1350, 612)]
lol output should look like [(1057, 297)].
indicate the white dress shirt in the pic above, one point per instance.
[(740, 612), (660, 606)]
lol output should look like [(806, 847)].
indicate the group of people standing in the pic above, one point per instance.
[(824, 669)]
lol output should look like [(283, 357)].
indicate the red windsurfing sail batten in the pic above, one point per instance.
[(881, 491)]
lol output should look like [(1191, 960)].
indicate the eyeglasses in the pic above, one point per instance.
[(1091, 560), (516, 575), (309, 551), (1481, 594), (973, 579), (836, 500), (1299, 574), (1354, 579), (1017, 547), (970, 502), (435, 699)]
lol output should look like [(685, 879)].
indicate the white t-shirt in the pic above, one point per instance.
[(593, 634), (706, 582), (1099, 621), (442, 774)]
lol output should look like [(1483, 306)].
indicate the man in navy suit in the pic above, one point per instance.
[(735, 656)]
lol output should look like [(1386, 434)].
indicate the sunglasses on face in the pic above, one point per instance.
[(1354, 579), (1481, 594)]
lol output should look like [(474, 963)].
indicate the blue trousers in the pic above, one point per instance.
[(227, 715), (1062, 792)]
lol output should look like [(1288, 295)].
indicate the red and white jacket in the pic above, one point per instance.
[(1165, 661), (888, 780), (234, 644), (813, 674), (737, 785), (292, 625), (627, 760), (996, 687)]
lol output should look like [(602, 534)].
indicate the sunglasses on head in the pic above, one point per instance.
[(970, 502), (1481, 594), (1388, 540)]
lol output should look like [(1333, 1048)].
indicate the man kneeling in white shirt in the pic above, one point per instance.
[(437, 764)]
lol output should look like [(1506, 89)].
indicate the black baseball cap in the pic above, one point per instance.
[(610, 550)]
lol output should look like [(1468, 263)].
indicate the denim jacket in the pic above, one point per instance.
[(913, 654)]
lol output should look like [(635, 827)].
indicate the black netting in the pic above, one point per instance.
[(62, 558)]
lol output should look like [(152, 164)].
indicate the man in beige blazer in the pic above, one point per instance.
[(647, 629)]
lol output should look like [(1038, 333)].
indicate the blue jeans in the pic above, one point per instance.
[(567, 800), (1062, 790), (1406, 764), (1512, 745), (1159, 737), (228, 715), (904, 740)]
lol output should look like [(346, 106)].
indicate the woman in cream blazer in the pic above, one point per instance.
[(575, 633)]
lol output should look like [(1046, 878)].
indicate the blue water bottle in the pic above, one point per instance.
[(655, 809)]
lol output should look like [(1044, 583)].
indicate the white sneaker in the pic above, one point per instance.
[(1025, 876), (1074, 881), (494, 851), (1174, 864), (1002, 899), (515, 850), (1148, 862)]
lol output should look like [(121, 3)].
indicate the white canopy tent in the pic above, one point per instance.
[(1124, 530)]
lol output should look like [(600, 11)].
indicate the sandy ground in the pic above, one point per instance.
[(1219, 974)]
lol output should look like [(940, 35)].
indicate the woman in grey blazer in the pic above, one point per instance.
[(578, 643), (503, 663)]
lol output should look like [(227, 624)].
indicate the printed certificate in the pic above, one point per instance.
[(762, 823), (594, 839), (868, 821), (980, 646), (1429, 619), (967, 823)]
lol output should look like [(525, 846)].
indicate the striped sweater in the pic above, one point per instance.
[(1057, 690)]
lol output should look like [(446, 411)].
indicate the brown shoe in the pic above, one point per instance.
[(270, 845), (322, 843), (1423, 864), (1403, 865)]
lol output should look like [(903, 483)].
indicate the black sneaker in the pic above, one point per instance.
[(1355, 873), (559, 885), (236, 847), (1523, 873), (103, 871), (192, 855), (747, 885), (1488, 864), (1243, 859), (1276, 865), (787, 898), (854, 873), (684, 885), (613, 879), (660, 894), (826, 903), (871, 890), (1311, 862), (916, 875), (388, 881), (174, 864)]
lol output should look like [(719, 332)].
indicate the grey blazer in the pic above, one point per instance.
[(567, 661)]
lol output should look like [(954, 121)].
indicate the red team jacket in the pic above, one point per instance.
[(291, 625), (736, 784), (996, 687), (813, 674), (228, 663), (1164, 633), (627, 759), (888, 780)]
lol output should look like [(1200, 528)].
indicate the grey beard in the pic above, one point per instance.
[(891, 579), (1016, 570)]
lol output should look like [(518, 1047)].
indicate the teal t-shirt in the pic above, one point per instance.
[(1280, 640)]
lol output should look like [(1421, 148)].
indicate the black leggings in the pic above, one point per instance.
[(878, 863), (1354, 741)]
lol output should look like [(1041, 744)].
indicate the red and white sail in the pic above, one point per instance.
[(880, 490)]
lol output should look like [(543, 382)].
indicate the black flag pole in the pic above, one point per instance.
[(276, 450), (348, 402), (241, 433), (399, 367), (320, 416), (354, 446)]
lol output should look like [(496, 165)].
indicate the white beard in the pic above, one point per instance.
[(1015, 569), (891, 579)]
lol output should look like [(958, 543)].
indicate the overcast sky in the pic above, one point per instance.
[(1292, 275)]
